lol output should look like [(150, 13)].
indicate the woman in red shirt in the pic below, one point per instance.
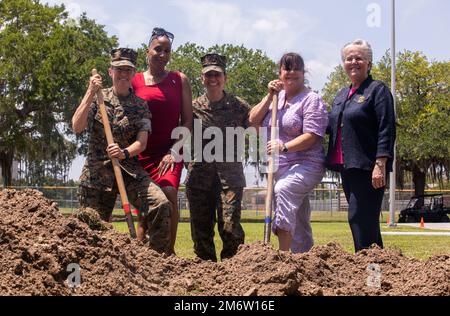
[(169, 99)]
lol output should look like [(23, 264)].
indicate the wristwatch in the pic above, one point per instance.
[(284, 149), (126, 153)]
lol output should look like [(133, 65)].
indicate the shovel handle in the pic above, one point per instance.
[(115, 163), (269, 195)]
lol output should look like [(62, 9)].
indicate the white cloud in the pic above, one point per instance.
[(94, 10), (325, 57), (318, 72), (273, 31), (132, 33)]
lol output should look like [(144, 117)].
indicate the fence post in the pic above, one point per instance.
[(331, 201), (179, 208), (339, 198), (71, 200)]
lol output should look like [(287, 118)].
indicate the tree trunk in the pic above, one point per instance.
[(6, 160), (418, 180), (419, 183)]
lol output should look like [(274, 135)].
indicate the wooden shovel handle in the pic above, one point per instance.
[(115, 162), (269, 195)]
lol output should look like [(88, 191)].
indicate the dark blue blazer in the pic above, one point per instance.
[(368, 126)]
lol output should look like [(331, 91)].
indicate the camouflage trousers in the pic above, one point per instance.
[(147, 197), (216, 205)]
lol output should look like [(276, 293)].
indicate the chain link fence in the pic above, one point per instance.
[(326, 197)]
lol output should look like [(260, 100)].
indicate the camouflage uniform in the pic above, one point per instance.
[(98, 189), (217, 186)]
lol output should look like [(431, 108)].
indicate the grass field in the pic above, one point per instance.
[(326, 227)]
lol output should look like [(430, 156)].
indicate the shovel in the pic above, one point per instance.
[(269, 196), (115, 163)]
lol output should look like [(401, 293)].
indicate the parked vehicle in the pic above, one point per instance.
[(432, 207)]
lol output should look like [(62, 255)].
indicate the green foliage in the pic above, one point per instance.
[(337, 80), (248, 71), (186, 58), (45, 62), (423, 109)]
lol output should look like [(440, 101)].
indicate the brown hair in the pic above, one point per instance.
[(291, 61)]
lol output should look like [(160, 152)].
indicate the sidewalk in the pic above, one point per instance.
[(432, 226), (426, 230)]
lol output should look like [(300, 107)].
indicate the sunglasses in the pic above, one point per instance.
[(158, 32)]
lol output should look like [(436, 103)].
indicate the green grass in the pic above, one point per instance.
[(327, 227), (421, 247)]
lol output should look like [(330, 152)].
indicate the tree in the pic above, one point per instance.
[(45, 61), (337, 80), (423, 111), (186, 58), (249, 71)]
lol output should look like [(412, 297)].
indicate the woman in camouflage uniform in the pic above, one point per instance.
[(214, 189), (130, 124)]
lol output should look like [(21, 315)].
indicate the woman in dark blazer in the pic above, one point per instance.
[(361, 147)]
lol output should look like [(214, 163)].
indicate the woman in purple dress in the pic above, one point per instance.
[(302, 120)]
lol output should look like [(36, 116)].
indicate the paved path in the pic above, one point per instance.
[(416, 233), (426, 230), (433, 226)]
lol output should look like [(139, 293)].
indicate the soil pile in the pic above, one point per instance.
[(38, 247)]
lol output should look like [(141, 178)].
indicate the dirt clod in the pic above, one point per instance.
[(44, 253)]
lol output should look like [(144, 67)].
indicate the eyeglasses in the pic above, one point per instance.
[(158, 32), (350, 59)]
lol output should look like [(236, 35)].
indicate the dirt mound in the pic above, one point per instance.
[(39, 247)]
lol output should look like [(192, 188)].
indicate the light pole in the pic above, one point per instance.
[(392, 176)]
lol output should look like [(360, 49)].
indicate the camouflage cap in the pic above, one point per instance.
[(213, 62), (123, 57)]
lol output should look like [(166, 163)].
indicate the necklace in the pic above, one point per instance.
[(154, 79)]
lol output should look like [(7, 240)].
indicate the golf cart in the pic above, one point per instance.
[(429, 206)]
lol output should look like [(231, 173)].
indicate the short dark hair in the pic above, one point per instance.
[(292, 61)]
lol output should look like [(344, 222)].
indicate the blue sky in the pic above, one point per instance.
[(315, 29)]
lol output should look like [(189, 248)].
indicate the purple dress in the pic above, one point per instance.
[(298, 172)]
